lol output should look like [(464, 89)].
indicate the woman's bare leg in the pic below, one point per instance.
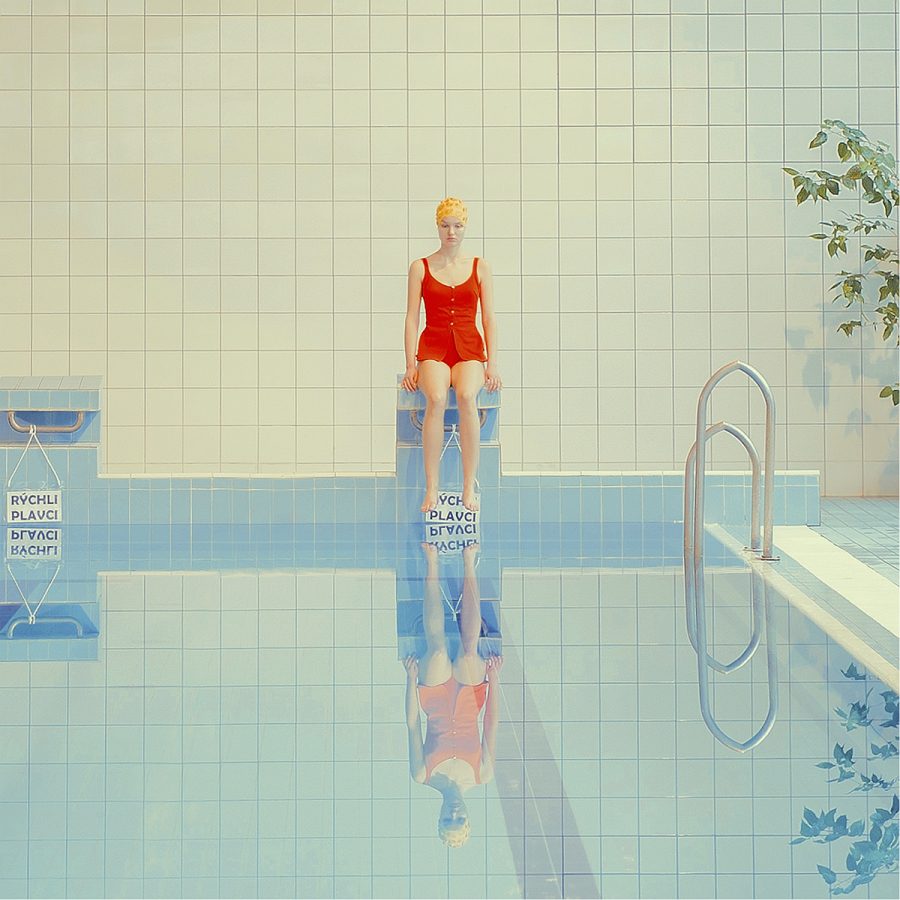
[(467, 378), (435, 667), (469, 667), (434, 381)]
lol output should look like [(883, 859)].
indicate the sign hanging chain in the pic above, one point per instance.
[(454, 439), (454, 607), (32, 613), (33, 438)]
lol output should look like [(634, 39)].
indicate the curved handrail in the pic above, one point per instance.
[(46, 429), (694, 587), (690, 600), (704, 661), (769, 461)]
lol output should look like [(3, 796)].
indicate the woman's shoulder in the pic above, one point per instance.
[(417, 266)]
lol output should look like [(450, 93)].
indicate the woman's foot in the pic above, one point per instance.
[(429, 549), (431, 499), (470, 499), (432, 559)]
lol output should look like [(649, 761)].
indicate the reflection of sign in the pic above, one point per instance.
[(33, 543), (450, 526), (33, 507)]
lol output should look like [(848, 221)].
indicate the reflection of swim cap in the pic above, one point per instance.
[(455, 837), (451, 206)]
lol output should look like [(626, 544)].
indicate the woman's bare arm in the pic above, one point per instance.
[(411, 326), (491, 719), (414, 722), (489, 324)]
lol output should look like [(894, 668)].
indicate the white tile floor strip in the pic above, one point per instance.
[(868, 591)]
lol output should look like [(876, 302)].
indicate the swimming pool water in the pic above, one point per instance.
[(237, 727)]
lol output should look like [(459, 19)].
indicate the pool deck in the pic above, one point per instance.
[(866, 528)]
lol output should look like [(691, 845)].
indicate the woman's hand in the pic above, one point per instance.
[(411, 378), (411, 664), (492, 378), (492, 667)]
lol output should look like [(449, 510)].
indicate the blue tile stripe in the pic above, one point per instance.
[(544, 497)]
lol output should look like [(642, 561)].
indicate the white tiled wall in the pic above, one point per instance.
[(214, 205)]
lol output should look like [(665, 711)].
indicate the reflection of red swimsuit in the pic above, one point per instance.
[(450, 333), (452, 712)]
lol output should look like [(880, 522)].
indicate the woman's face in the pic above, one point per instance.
[(453, 823), (451, 231), (453, 814)]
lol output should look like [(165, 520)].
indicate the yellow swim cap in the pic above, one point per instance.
[(451, 206)]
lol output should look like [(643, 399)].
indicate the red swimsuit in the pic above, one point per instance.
[(451, 710), (450, 334)]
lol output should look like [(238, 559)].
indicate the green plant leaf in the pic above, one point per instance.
[(818, 140)]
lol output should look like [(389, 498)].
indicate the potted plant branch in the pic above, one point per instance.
[(871, 169)]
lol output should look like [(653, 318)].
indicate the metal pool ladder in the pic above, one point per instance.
[(694, 591)]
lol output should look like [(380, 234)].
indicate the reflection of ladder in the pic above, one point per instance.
[(694, 593)]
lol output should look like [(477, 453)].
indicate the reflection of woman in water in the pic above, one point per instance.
[(452, 693), (451, 350)]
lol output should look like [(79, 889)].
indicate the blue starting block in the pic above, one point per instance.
[(410, 466)]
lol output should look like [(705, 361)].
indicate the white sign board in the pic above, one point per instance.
[(33, 507), (450, 526), (35, 543)]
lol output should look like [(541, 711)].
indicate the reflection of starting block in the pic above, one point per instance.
[(410, 587), (411, 632), (28, 635), (43, 623)]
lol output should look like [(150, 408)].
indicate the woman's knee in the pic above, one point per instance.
[(435, 667), (466, 398), (469, 667), (436, 400)]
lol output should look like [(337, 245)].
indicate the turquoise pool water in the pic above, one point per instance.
[(234, 725)]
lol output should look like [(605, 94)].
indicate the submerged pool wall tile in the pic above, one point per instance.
[(611, 503), (160, 501)]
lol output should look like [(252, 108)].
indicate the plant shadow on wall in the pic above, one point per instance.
[(877, 851), (871, 291)]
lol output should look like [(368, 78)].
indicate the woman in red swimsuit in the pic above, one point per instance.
[(454, 757), (450, 350)]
